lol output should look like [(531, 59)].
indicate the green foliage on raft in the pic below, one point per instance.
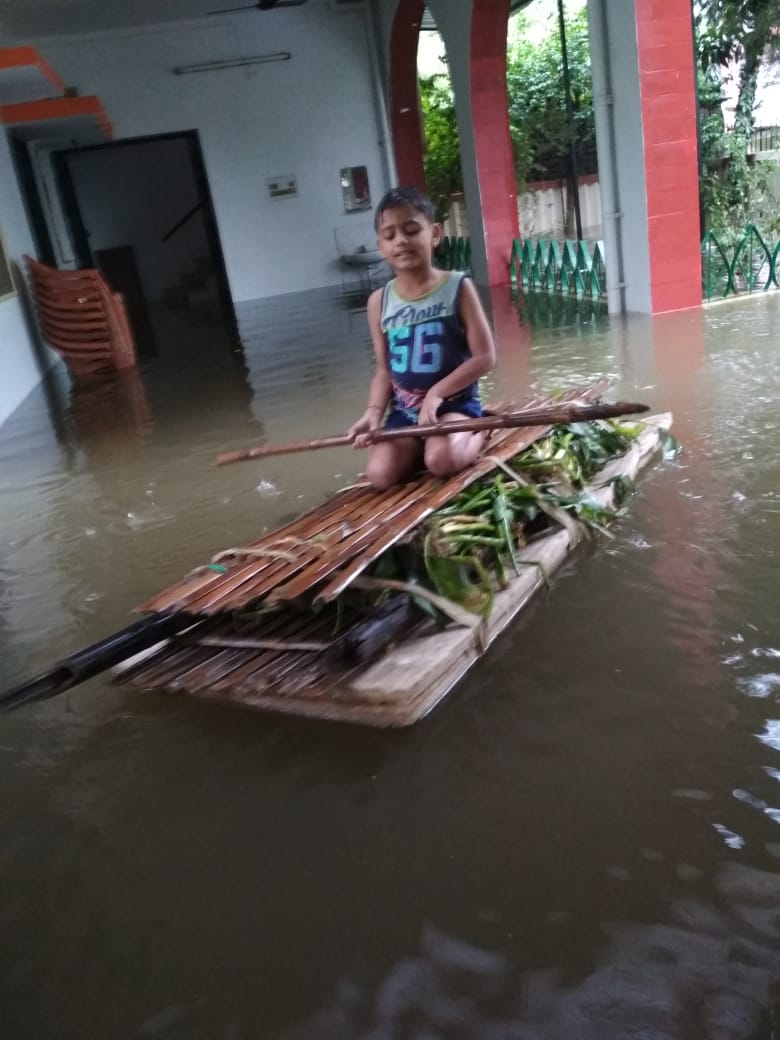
[(466, 551)]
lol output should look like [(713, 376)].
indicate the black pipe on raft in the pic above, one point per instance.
[(94, 659), (359, 643)]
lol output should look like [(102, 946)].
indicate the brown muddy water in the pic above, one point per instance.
[(582, 841)]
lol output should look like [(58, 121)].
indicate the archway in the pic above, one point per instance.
[(405, 117)]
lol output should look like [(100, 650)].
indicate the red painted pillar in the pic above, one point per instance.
[(492, 140), (667, 87), (405, 115)]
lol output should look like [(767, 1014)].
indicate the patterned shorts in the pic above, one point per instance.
[(397, 418)]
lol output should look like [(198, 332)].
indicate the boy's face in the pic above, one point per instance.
[(406, 238)]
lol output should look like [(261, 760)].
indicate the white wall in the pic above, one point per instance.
[(20, 367), (543, 210), (306, 117)]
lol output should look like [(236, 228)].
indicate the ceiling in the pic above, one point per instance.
[(24, 20)]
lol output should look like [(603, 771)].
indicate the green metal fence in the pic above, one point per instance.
[(730, 264), (733, 265), (568, 267), (545, 265)]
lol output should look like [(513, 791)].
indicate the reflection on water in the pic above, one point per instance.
[(541, 310), (110, 412), (583, 841)]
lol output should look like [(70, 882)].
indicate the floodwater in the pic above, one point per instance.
[(581, 842)]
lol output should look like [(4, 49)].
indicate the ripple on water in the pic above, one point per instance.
[(771, 734), (730, 838), (147, 518), (709, 961), (760, 685)]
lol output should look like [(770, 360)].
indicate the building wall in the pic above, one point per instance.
[(293, 118), (306, 118), (23, 359)]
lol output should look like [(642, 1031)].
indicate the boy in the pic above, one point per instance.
[(432, 342)]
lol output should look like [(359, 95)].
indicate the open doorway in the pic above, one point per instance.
[(140, 210)]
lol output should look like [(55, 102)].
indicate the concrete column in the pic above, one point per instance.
[(603, 102), (668, 95), (643, 81)]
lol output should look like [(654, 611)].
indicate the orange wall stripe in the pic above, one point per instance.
[(18, 57), (57, 108)]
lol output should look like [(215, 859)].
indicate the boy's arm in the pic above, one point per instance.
[(481, 347), (380, 388)]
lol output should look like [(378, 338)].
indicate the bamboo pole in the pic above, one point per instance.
[(543, 416)]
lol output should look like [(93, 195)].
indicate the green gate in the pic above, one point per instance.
[(568, 267), (730, 265), (742, 265)]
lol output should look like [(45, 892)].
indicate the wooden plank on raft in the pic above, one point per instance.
[(336, 510), (357, 531)]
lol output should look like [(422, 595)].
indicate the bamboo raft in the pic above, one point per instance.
[(227, 646)]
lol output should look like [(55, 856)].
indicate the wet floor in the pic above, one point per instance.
[(583, 841)]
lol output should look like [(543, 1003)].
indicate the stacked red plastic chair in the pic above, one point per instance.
[(82, 318)]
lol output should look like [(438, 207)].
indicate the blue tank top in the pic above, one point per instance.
[(426, 341)]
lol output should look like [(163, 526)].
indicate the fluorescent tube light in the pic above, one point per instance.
[(230, 63)]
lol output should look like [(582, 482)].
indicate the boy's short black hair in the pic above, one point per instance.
[(407, 196)]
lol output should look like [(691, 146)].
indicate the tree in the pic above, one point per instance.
[(538, 119), (732, 36), (443, 177), (738, 31)]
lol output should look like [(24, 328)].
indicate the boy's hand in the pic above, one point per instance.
[(369, 421), (429, 408)]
